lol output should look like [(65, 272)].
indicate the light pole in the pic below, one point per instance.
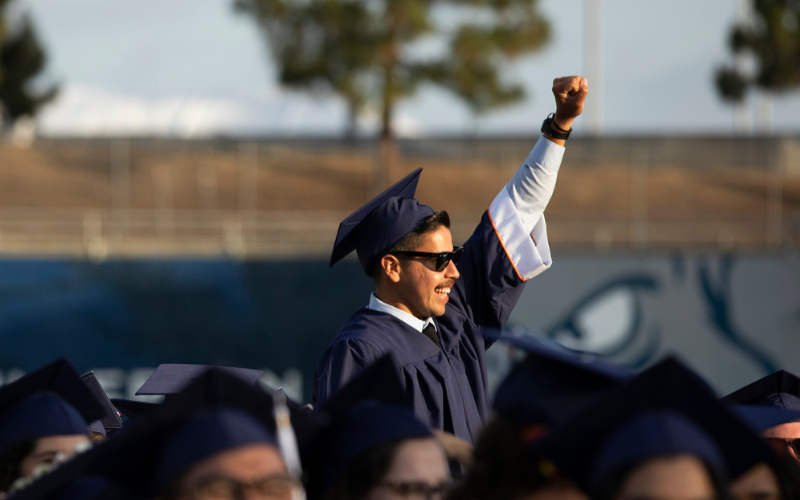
[(593, 65)]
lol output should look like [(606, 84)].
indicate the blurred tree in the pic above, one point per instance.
[(21, 60), (773, 39), (362, 49)]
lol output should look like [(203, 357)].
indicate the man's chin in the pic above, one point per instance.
[(438, 311)]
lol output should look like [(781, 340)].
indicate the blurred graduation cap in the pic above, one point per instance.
[(553, 382), (170, 379), (50, 401), (666, 410), (761, 418), (780, 389), (217, 411), (132, 409), (375, 228), (378, 382), (110, 419), (369, 411)]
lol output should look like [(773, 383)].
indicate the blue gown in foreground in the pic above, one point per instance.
[(447, 389)]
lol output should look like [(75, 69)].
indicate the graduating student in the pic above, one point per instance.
[(380, 451), (372, 447), (663, 435), (779, 390), (776, 479), (542, 391), (44, 418), (216, 438), (432, 300)]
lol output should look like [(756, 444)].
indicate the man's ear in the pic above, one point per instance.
[(390, 267)]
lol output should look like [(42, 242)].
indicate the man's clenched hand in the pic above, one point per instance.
[(570, 93)]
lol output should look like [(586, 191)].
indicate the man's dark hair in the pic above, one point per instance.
[(413, 239), (11, 461)]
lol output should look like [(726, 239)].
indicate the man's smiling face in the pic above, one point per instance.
[(423, 290)]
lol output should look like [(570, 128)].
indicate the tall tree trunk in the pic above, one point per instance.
[(387, 153), (387, 146)]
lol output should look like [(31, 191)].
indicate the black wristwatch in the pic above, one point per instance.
[(553, 130)]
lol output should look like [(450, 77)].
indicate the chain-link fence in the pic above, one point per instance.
[(265, 198)]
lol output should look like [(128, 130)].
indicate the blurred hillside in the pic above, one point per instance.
[(277, 198)]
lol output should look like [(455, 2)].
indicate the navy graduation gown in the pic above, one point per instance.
[(446, 388)]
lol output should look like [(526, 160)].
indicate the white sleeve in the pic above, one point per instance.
[(533, 184), (517, 212)]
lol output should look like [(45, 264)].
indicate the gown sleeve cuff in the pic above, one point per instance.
[(529, 253)]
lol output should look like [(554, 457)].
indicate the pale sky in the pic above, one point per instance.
[(193, 68)]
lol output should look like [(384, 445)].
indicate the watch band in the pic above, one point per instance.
[(553, 130)]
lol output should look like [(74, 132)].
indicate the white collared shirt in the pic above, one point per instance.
[(376, 304)]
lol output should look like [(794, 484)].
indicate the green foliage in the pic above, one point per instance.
[(21, 60), (362, 49), (773, 38)]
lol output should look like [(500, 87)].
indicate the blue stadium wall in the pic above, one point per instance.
[(734, 317)]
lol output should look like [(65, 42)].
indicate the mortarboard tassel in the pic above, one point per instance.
[(287, 441)]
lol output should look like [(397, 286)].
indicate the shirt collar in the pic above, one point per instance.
[(377, 304)]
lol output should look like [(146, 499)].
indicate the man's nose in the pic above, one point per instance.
[(451, 271)]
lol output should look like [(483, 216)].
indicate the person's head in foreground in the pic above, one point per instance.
[(663, 436), (44, 419), (378, 451), (660, 456), (780, 390), (504, 467), (221, 454), (776, 479), (212, 440)]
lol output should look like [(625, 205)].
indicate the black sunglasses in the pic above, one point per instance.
[(442, 259)]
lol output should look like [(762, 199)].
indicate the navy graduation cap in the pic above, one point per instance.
[(132, 409), (50, 401), (553, 382), (375, 228), (172, 378), (218, 411), (762, 418), (369, 424), (202, 435), (367, 412), (378, 382), (780, 389), (110, 419), (666, 410)]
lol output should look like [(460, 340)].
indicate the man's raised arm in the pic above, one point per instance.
[(518, 211), (534, 182)]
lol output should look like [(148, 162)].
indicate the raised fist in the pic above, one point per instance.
[(570, 93)]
